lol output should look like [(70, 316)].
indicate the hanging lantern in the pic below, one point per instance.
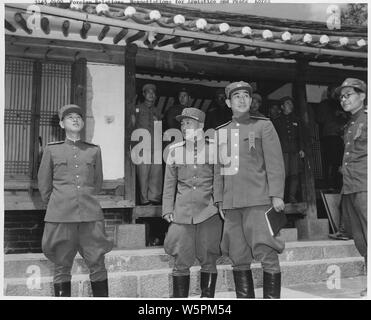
[(267, 34), (307, 38), (343, 41), (201, 24), (179, 19), (102, 8), (155, 15), (286, 36), (246, 31), (223, 27), (129, 11), (324, 39)]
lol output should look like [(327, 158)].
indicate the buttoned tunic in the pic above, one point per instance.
[(190, 184), (69, 177), (257, 170), (355, 154)]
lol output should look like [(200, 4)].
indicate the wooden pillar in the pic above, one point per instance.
[(35, 118), (130, 95), (310, 227), (78, 87)]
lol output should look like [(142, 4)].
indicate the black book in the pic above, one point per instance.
[(276, 220)]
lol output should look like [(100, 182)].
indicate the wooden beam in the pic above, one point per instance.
[(9, 26), (213, 47), (22, 22), (118, 37), (130, 97), (103, 33), (44, 22), (65, 27), (84, 29), (103, 20), (78, 87), (200, 44), (35, 118), (136, 37), (184, 43), (170, 40)]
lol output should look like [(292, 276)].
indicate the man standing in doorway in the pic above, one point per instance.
[(352, 95), (246, 189), (149, 174), (218, 112), (288, 127)]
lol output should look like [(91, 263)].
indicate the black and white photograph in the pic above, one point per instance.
[(180, 150)]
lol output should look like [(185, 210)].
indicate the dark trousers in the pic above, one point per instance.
[(62, 241), (246, 236), (186, 242), (150, 180), (332, 150), (354, 205)]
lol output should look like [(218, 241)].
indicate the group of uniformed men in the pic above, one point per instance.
[(197, 195)]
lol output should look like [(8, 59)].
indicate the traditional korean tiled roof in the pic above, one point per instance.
[(163, 25)]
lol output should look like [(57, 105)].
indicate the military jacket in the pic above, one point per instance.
[(189, 183), (69, 177), (145, 117), (288, 128), (355, 154), (256, 171)]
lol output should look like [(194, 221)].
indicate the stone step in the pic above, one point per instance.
[(158, 283), (23, 265)]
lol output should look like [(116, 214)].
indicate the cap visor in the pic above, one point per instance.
[(181, 117)]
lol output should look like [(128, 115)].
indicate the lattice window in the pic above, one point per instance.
[(22, 113), (55, 92), (18, 106)]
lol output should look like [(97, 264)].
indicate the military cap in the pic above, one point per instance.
[(148, 86), (234, 86), (285, 98), (354, 83), (257, 96), (192, 113), (184, 89), (219, 91), (69, 108)]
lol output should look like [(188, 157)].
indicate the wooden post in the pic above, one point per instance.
[(35, 118), (78, 87), (310, 227), (130, 95)]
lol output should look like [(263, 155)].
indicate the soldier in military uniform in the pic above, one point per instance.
[(256, 103), (288, 127), (352, 94), (196, 228), (218, 112), (245, 188), (69, 177), (149, 175), (170, 115)]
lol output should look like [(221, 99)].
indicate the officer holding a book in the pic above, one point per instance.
[(247, 185)]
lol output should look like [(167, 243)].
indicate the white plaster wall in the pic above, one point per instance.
[(105, 116)]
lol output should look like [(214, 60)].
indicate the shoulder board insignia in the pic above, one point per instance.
[(365, 110), (209, 140), (91, 144), (223, 125), (178, 144), (55, 142), (260, 118)]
